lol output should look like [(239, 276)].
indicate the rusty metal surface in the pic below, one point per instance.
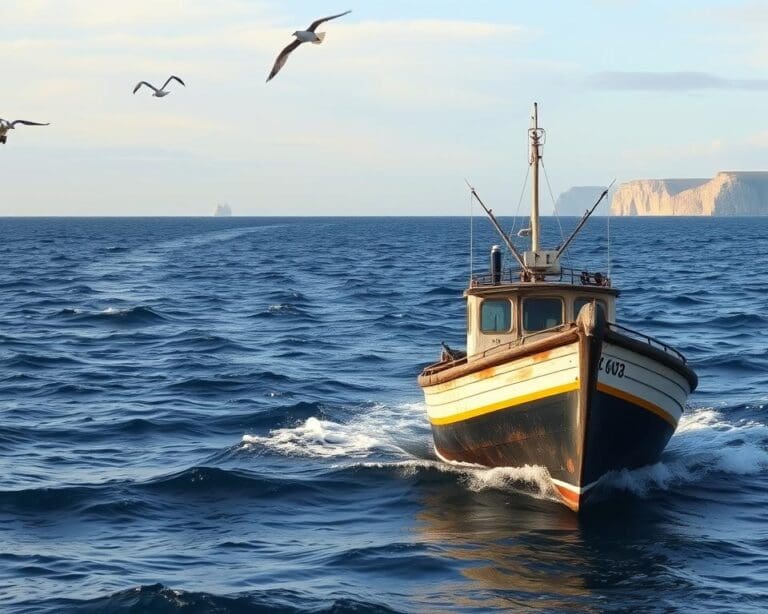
[(440, 373)]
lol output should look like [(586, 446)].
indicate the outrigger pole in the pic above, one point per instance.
[(583, 221), (498, 228)]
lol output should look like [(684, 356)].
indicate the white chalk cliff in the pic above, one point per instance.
[(576, 200), (728, 193)]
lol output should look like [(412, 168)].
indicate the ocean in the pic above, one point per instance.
[(222, 415)]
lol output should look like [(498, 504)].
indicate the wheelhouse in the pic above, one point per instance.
[(512, 312)]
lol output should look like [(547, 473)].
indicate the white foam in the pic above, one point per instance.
[(376, 429), (705, 443), (529, 479), (315, 437), (319, 438), (282, 308), (747, 459)]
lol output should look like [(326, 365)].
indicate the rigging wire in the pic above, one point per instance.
[(471, 237), (520, 202), (608, 233), (554, 208), (552, 196)]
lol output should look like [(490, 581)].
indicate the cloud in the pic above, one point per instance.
[(759, 140), (672, 81), (86, 14), (742, 152), (698, 151), (387, 108), (421, 63), (752, 13)]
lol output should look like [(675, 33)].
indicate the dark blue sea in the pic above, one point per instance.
[(221, 415)]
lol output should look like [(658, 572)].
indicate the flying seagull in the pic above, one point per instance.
[(5, 126), (159, 93), (302, 36)]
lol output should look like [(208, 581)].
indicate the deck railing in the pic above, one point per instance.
[(500, 348), (523, 339), (566, 275), (527, 338), (652, 341)]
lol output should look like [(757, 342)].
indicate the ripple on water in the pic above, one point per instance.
[(192, 402)]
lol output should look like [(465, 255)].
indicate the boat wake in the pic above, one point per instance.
[(397, 438), (318, 438), (378, 430), (529, 480), (706, 443)]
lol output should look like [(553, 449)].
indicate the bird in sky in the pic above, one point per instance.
[(159, 93), (5, 126), (302, 36)]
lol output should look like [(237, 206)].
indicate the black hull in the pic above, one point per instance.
[(542, 432), (621, 435), (616, 434)]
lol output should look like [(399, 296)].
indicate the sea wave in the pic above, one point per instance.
[(160, 599), (378, 428), (232, 404), (706, 443), (121, 316)]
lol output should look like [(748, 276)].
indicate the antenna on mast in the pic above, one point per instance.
[(537, 137), (538, 262)]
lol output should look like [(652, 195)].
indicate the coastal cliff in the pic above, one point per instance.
[(728, 193), (578, 199)]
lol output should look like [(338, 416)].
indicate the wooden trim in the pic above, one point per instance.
[(591, 324), (436, 374)]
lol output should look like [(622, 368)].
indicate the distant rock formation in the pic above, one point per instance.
[(222, 210), (578, 199), (728, 193)]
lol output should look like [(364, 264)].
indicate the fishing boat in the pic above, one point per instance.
[(549, 378)]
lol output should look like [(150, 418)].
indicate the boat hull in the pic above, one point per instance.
[(589, 403)]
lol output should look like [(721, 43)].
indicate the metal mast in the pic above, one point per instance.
[(536, 135)]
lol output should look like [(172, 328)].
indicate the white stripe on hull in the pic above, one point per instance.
[(640, 377), (622, 372), (503, 383)]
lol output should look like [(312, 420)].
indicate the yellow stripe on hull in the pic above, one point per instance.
[(631, 398), (487, 409)]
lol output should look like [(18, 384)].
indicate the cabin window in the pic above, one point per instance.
[(581, 301), (495, 316), (541, 313)]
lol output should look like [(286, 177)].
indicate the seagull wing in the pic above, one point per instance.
[(316, 23), (282, 58), (173, 78), (26, 123), (140, 83)]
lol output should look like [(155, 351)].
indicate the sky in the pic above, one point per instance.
[(403, 100)]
